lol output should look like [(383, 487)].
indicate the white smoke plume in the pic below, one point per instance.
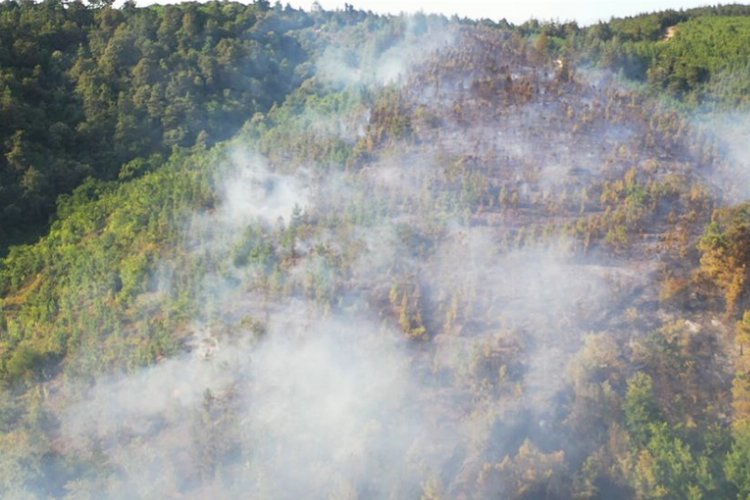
[(374, 332)]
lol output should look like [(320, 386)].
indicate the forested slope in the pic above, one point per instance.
[(109, 92), (699, 56), (454, 259)]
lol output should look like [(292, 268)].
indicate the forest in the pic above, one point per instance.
[(250, 251)]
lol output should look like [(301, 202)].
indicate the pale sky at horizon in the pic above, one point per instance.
[(583, 11)]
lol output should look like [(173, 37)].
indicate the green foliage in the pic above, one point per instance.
[(737, 464), (84, 91), (72, 292), (308, 127), (741, 382), (699, 56), (707, 57), (641, 411), (664, 465), (666, 468), (24, 362)]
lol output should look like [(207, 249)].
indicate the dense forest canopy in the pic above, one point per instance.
[(107, 93), (330, 254)]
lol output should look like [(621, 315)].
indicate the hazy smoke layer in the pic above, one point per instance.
[(731, 176), (283, 398), (401, 329)]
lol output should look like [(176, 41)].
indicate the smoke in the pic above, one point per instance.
[(325, 397), (385, 57), (251, 192), (312, 406), (286, 398), (387, 331), (731, 174)]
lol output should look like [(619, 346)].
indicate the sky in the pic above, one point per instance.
[(583, 11)]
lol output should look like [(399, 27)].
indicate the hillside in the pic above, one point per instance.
[(108, 93), (402, 257)]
